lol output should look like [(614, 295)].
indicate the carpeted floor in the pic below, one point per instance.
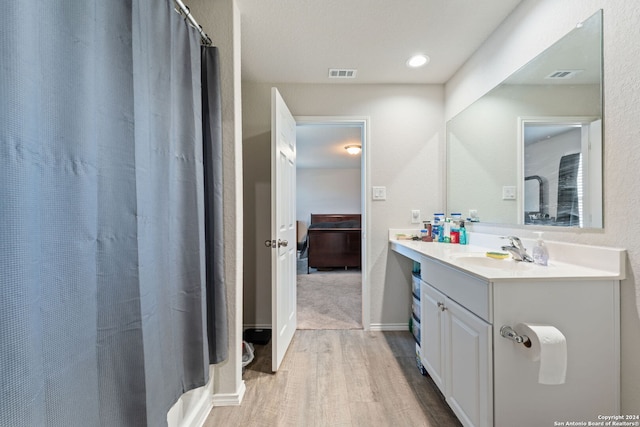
[(330, 300)]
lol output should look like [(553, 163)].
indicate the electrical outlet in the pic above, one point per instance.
[(415, 216)]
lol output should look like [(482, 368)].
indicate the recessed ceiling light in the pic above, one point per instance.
[(418, 61)]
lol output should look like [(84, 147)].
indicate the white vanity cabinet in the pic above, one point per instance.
[(492, 380), (456, 345), (489, 380), (587, 312)]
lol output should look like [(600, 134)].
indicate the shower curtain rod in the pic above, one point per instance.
[(184, 11)]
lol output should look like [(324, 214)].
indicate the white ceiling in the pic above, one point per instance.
[(579, 50), (536, 132), (298, 41), (322, 146)]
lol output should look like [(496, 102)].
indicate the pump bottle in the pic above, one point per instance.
[(540, 252)]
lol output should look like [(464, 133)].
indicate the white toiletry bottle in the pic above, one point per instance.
[(540, 252)]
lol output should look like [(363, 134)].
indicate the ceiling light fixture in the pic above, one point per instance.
[(418, 61), (353, 149)]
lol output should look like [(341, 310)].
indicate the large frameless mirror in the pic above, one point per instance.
[(530, 151)]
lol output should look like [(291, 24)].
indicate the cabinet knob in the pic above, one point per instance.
[(441, 306)]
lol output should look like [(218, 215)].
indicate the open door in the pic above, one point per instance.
[(283, 228)]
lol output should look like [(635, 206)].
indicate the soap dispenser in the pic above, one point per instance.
[(540, 252)]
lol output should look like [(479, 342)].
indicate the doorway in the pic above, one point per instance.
[(329, 182), (560, 171)]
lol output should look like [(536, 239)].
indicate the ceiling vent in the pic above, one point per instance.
[(563, 74), (342, 73)]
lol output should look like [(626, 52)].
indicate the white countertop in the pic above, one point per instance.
[(609, 263)]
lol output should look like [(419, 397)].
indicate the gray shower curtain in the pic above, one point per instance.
[(102, 251), (213, 185)]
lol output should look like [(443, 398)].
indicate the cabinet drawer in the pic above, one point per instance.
[(469, 291)]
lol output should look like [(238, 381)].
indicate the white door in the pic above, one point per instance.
[(431, 330), (468, 375), (283, 227)]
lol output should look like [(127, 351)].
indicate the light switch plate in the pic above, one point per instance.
[(508, 192), (379, 193)]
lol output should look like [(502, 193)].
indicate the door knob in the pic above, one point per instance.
[(270, 243), (282, 243)]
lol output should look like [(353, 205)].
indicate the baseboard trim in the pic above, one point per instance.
[(372, 327), (380, 327), (192, 408), (230, 399), (199, 416)]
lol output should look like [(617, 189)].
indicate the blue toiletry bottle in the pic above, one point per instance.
[(435, 232), (463, 234)]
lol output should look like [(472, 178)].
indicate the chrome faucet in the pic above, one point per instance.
[(516, 249)]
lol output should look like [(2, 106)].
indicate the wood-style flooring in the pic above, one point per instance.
[(338, 378)]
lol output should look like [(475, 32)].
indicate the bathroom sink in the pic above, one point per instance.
[(482, 261)]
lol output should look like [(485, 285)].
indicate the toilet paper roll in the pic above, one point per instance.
[(549, 347)]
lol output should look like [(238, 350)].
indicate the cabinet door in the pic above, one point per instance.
[(469, 372), (432, 328)]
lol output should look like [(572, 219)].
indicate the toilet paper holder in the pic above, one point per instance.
[(508, 332)]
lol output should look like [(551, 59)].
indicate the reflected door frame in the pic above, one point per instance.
[(591, 149)]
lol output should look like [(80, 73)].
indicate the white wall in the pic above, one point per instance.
[(221, 19), (327, 191), (405, 141), (532, 27)]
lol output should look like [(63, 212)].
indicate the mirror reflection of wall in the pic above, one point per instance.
[(484, 142)]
